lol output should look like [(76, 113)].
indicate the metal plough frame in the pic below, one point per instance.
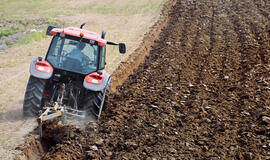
[(64, 111)]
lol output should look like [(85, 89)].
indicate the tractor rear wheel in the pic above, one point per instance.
[(93, 102), (33, 98)]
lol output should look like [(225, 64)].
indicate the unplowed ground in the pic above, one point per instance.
[(202, 93)]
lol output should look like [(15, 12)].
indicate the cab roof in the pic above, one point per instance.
[(77, 32)]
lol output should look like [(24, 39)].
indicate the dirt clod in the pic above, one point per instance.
[(266, 119)]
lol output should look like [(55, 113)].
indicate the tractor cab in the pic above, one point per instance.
[(75, 55), (78, 50)]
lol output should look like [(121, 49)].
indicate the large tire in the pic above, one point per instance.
[(33, 98), (93, 102)]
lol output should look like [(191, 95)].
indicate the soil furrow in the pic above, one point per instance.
[(256, 28), (263, 7)]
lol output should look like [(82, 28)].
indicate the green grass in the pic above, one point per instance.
[(35, 36), (50, 20), (10, 99), (10, 9), (18, 15), (13, 29), (147, 6), (26, 7), (29, 11), (6, 32)]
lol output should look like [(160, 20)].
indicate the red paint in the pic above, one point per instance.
[(95, 78), (76, 32), (44, 66)]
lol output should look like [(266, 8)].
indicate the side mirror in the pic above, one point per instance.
[(122, 48), (48, 32)]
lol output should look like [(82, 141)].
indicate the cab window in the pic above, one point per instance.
[(102, 57)]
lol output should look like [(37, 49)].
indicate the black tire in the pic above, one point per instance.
[(93, 102), (33, 98)]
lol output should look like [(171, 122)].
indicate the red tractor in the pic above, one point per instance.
[(71, 74)]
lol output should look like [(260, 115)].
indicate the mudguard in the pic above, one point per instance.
[(97, 87), (39, 74)]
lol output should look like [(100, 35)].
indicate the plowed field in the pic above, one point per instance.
[(202, 93)]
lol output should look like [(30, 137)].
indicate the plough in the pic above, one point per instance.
[(62, 111)]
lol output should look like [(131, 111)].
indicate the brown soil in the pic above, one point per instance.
[(202, 93), (127, 67)]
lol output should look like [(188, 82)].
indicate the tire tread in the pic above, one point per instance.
[(33, 96)]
